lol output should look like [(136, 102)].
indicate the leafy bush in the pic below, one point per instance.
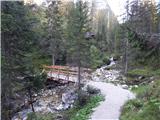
[(106, 60)]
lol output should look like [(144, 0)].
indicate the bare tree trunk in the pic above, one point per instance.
[(53, 59), (31, 101), (126, 57), (79, 76), (79, 79), (126, 46), (79, 71)]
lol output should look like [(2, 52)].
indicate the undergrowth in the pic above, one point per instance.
[(38, 116), (144, 72), (83, 112), (147, 104)]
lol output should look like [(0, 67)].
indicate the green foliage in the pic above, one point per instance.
[(76, 29), (106, 60), (141, 91), (146, 106), (95, 57), (106, 33), (146, 52), (38, 116), (84, 112), (39, 80), (139, 72), (17, 40), (55, 38), (144, 72), (21, 52)]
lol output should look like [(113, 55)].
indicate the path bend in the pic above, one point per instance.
[(115, 98)]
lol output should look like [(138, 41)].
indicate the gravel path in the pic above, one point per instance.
[(115, 97)]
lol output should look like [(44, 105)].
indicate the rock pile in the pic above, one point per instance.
[(110, 74), (51, 100)]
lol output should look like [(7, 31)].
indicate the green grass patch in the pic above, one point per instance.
[(38, 116), (84, 112), (139, 72), (147, 72), (147, 104), (140, 90)]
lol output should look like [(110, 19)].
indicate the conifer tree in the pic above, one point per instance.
[(55, 31), (77, 27)]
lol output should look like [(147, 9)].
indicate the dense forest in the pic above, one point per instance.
[(79, 35)]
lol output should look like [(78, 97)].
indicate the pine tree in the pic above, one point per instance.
[(77, 27), (55, 30), (18, 42)]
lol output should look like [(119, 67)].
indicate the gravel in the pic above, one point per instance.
[(115, 98)]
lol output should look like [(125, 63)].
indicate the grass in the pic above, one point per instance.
[(147, 104), (84, 112), (141, 75), (146, 72), (38, 116)]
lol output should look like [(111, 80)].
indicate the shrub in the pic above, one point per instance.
[(92, 90), (146, 106), (106, 60), (83, 98), (83, 112)]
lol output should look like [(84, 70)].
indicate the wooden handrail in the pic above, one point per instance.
[(62, 68)]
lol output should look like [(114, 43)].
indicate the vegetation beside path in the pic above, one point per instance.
[(83, 112), (147, 104)]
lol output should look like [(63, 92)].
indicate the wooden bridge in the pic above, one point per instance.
[(61, 74)]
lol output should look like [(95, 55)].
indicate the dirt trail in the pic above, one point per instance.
[(115, 97)]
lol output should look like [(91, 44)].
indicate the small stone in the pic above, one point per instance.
[(152, 78), (141, 77), (125, 86), (135, 86)]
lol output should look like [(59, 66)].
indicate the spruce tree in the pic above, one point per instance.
[(77, 27), (55, 30), (18, 42)]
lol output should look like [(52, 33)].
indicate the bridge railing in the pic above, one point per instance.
[(56, 72)]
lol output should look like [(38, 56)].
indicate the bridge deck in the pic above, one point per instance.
[(63, 74)]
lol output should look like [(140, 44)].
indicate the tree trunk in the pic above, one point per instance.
[(126, 57), (31, 101), (79, 76), (53, 59), (79, 72)]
